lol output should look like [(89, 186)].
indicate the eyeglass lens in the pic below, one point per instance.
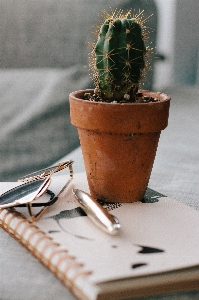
[(23, 193)]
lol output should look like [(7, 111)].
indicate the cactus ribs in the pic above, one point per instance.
[(118, 57)]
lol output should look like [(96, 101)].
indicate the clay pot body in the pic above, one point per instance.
[(119, 143)]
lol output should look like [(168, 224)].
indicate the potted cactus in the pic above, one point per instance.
[(119, 124)]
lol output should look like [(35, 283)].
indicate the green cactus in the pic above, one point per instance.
[(119, 58)]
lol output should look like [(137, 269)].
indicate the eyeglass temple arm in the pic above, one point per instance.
[(33, 217), (52, 200), (46, 172)]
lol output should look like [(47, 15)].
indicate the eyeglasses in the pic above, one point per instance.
[(33, 187)]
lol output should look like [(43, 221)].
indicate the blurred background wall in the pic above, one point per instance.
[(178, 41)]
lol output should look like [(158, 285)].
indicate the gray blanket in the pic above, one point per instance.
[(35, 127)]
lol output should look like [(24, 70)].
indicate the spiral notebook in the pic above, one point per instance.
[(156, 250)]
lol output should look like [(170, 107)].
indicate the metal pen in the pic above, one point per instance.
[(97, 213)]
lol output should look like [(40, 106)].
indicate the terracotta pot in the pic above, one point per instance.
[(119, 143)]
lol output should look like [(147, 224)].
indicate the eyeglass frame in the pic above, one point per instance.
[(43, 176)]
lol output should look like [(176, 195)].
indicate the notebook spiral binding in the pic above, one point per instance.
[(48, 252)]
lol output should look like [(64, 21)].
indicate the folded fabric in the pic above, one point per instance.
[(34, 117)]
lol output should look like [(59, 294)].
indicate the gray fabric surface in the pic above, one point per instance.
[(35, 127), (176, 167)]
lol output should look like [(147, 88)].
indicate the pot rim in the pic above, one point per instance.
[(120, 117), (162, 97)]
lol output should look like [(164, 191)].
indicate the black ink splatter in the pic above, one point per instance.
[(149, 250), (138, 265), (151, 196), (53, 231), (68, 214)]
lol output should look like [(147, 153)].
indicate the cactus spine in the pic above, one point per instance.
[(119, 58)]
